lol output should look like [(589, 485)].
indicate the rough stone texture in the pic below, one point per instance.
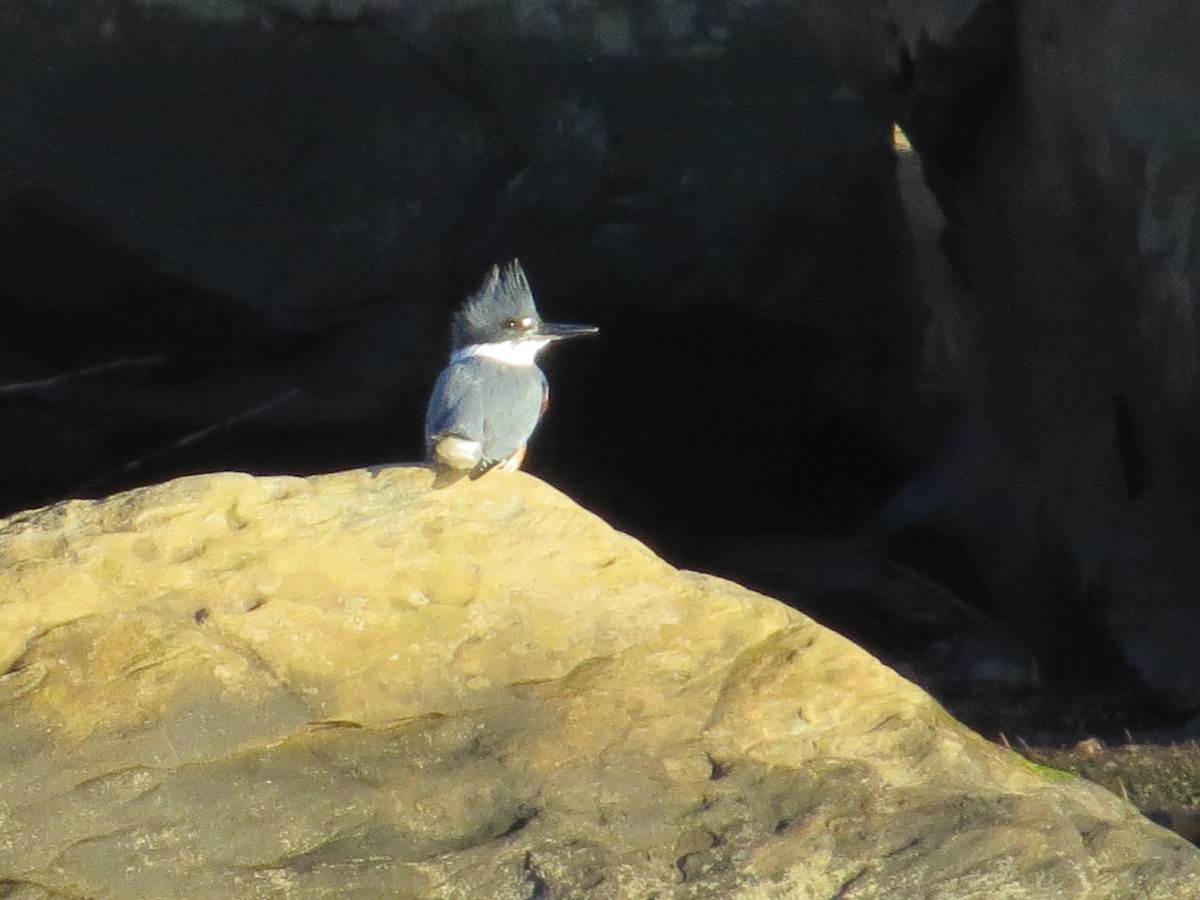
[(355, 686)]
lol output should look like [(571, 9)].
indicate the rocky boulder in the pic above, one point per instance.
[(354, 685)]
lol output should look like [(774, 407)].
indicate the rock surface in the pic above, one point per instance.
[(354, 686)]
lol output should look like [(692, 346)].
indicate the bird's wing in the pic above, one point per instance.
[(456, 406)]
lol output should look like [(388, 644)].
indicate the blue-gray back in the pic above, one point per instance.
[(487, 401)]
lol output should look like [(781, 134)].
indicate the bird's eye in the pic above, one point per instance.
[(510, 323)]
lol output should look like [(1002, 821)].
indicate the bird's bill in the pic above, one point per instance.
[(562, 332)]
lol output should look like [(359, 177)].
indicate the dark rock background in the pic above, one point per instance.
[(257, 216)]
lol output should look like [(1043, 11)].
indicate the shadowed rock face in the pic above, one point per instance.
[(354, 685), (1061, 146)]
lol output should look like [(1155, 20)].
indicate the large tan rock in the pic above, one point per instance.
[(355, 686)]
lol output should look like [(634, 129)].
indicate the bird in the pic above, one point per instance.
[(488, 400)]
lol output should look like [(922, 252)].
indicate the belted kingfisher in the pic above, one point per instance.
[(489, 399)]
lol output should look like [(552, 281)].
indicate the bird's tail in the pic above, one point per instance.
[(444, 476)]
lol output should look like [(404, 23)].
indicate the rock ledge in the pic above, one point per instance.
[(354, 686)]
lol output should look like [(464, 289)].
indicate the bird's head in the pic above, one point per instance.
[(502, 311)]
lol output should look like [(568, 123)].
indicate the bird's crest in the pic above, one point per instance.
[(504, 296)]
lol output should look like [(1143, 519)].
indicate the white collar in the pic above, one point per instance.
[(515, 353)]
